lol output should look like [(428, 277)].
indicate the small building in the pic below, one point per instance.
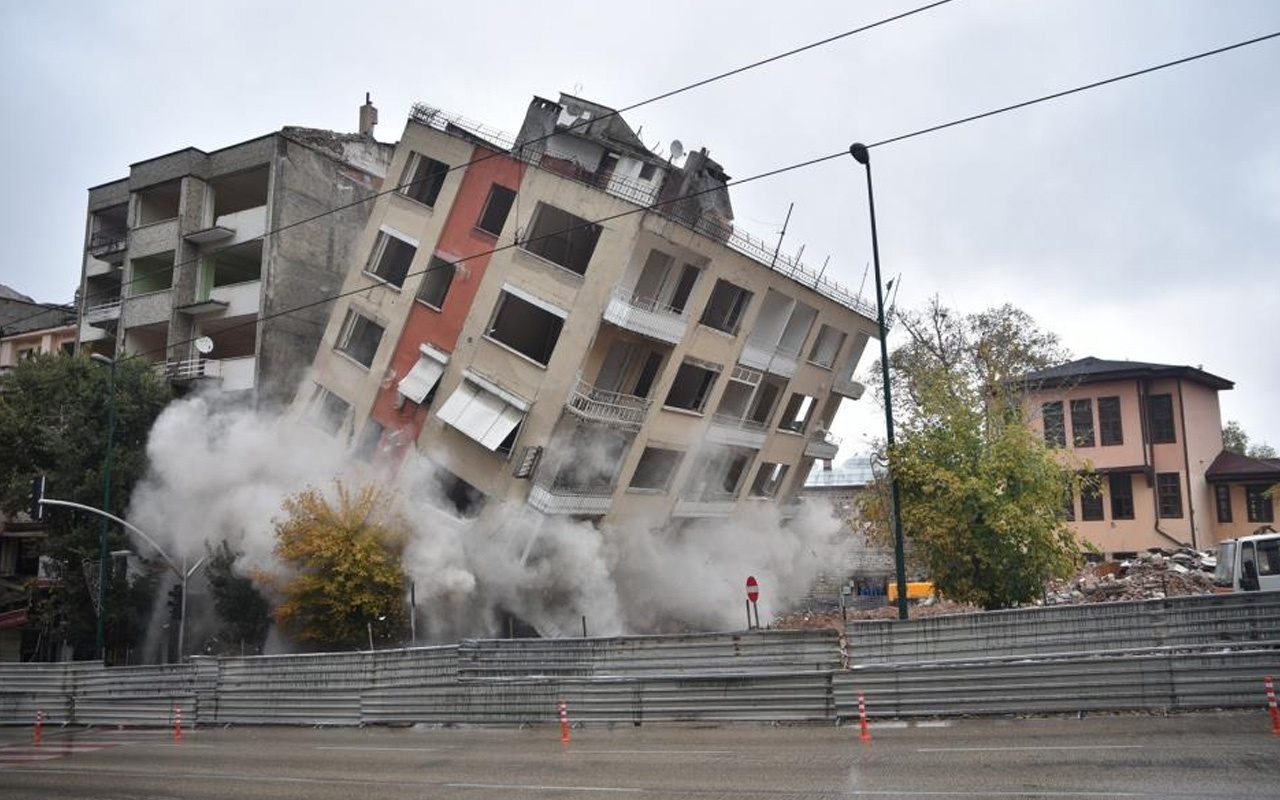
[(1153, 434), (861, 570), (28, 328)]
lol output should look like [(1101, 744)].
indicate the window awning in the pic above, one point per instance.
[(480, 414), (424, 375)]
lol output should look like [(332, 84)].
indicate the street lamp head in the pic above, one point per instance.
[(860, 153), (101, 359)]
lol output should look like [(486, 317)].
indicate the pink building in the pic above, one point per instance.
[(1153, 433)]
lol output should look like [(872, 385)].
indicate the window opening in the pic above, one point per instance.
[(359, 338), (692, 385), (1091, 504), (1082, 423), (1222, 498), (1121, 495), (423, 178), (527, 328), (795, 417), (1055, 430), (726, 307), (769, 479), (1110, 426), (1169, 493), (391, 258), (1258, 505), (496, 209), (436, 282), (1160, 417), (562, 238), (827, 346)]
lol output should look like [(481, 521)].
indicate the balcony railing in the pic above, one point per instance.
[(645, 316), (103, 312), (709, 504), (778, 360), (191, 369), (107, 243), (610, 408), (551, 494), (730, 430)]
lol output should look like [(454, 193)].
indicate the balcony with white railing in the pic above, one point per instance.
[(233, 374), (645, 316), (780, 361), (610, 408), (822, 444), (103, 313), (711, 504), (730, 430)]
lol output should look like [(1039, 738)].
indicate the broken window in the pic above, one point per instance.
[(151, 274), (826, 347), (1110, 428), (423, 178), (328, 410), (1121, 485), (1082, 423), (1169, 493), (692, 385), (391, 257), (496, 209), (367, 446), (159, 203), (1160, 414), (461, 498), (562, 238), (526, 324), (769, 479), (486, 416), (656, 468), (421, 382), (359, 338), (795, 417), (436, 282), (1055, 426), (726, 307)]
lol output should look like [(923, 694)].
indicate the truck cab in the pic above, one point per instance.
[(1248, 564)]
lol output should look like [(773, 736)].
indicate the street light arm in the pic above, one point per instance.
[(134, 528)]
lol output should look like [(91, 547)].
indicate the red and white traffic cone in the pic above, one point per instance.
[(564, 723), (39, 732), (865, 735), (1271, 703), (177, 723)]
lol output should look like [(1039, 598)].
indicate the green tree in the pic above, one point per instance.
[(1236, 440), (242, 609), (344, 570), (53, 421), (982, 496)]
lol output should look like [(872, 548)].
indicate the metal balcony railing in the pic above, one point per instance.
[(190, 369), (611, 408), (103, 312), (105, 242), (748, 425)]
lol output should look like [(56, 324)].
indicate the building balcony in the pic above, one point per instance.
[(610, 408), (109, 246), (737, 432), (233, 374), (587, 501), (645, 316), (229, 229), (710, 505), (848, 387), (823, 445), (103, 313), (777, 361)]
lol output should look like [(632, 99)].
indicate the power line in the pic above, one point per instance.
[(767, 174), (577, 124)]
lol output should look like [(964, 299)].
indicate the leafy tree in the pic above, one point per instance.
[(1236, 440), (53, 421), (241, 608), (345, 571), (982, 496)]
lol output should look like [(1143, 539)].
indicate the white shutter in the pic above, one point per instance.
[(420, 380), (501, 427)]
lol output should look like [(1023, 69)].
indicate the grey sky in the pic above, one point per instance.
[(1138, 221)]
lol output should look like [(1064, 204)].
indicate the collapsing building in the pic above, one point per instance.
[(567, 320)]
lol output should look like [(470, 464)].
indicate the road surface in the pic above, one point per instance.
[(1200, 757)]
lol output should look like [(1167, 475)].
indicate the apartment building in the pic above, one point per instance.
[(521, 319), (1153, 433), (28, 328), (176, 254)]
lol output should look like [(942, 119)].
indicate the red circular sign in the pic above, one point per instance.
[(753, 589)]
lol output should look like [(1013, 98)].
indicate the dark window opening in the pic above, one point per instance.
[(684, 287), (436, 282), (1082, 423), (1055, 428), (496, 209), (656, 468), (726, 307), (367, 447), (466, 500), (691, 387), (391, 259), (159, 203), (648, 373), (795, 417), (423, 178), (1110, 428), (765, 401), (329, 410), (1091, 504), (826, 346), (525, 327), (1169, 493), (1160, 417), (151, 274), (1121, 484), (768, 479), (241, 191), (359, 338), (1258, 504), (562, 238), (1222, 498), (646, 171)]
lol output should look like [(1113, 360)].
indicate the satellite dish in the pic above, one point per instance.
[(677, 149), (204, 345), (574, 110)]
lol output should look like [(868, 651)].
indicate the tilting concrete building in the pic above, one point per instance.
[(566, 319), (176, 252)]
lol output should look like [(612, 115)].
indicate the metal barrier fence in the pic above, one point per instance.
[(1178, 621)]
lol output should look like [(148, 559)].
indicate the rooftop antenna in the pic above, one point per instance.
[(781, 235), (822, 271), (863, 285), (677, 150)]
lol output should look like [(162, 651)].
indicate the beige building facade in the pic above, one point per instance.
[(522, 315)]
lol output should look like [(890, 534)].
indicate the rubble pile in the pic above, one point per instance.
[(1150, 576), (931, 607)]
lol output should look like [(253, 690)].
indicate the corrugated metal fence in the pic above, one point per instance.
[(1212, 653)]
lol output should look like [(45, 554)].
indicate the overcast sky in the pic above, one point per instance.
[(1140, 220)]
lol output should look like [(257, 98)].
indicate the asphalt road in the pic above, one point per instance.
[(1203, 756)]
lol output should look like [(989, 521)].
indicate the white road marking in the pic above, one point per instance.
[(578, 752), (17, 757), (934, 723), (532, 788), (1033, 747), (888, 724), (384, 749)]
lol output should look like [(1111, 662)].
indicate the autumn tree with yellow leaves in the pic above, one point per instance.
[(342, 554)]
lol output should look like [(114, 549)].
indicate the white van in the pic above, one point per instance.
[(1248, 564)]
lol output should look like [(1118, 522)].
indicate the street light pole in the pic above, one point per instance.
[(862, 155), (100, 640)]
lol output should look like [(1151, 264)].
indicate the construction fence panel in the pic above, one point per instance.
[(28, 688), (149, 695), (312, 689)]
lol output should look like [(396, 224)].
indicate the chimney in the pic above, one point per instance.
[(368, 117)]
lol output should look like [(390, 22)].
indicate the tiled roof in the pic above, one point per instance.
[(1229, 466), (1095, 370)]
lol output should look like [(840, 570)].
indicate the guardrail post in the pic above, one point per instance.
[(1271, 703), (39, 732)]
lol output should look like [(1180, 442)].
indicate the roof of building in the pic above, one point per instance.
[(1097, 370), (21, 314), (1231, 467), (855, 472)]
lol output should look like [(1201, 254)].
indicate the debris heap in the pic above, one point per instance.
[(1150, 576)]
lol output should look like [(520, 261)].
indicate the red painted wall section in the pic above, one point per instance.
[(459, 239)]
